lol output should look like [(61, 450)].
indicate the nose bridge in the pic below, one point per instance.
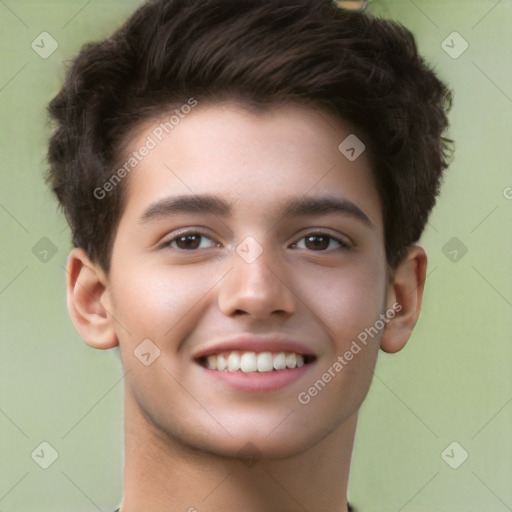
[(255, 285)]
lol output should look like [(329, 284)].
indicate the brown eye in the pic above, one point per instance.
[(319, 242), (191, 242), (188, 242)]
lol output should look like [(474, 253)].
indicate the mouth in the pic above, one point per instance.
[(255, 364), (247, 362)]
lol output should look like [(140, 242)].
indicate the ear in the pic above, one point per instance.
[(88, 300), (405, 293)]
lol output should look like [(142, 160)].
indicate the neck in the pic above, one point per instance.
[(163, 475)]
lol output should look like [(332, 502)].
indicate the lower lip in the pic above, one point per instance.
[(257, 382)]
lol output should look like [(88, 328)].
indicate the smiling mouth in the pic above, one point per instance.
[(254, 362)]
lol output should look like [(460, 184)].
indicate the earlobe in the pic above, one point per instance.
[(404, 297), (88, 302)]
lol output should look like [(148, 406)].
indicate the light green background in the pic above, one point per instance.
[(453, 382)]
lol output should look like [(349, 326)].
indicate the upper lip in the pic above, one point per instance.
[(251, 343)]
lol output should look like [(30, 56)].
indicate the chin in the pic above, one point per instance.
[(249, 441)]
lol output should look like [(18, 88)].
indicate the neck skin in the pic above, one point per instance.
[(162, 475)]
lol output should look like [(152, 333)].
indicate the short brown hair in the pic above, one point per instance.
[(364, 70)]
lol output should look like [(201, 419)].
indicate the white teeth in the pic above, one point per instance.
[(222, 364), (265, 362), (279, 361), (234, 362), (250, 362), (291, 360)]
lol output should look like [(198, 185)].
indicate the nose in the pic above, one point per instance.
[(256, 288)]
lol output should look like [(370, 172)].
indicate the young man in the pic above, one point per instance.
[(245, 182)]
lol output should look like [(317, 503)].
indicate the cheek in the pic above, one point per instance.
[(347, 299), (347, 304), (159, 302)]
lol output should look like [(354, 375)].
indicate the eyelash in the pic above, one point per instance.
[(341, 244), (185, 234)]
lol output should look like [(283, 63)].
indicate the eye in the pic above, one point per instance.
[(191, 241), (319, 242)]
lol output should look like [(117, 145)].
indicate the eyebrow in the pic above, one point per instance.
[(325, 205), (296, 207), (186, 204)]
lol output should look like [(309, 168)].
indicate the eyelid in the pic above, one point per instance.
[(194, 230), (345, 242)]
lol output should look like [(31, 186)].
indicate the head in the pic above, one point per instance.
[(243, 109)]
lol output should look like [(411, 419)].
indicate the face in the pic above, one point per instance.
[(248, 240)]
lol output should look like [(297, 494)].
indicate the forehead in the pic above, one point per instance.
[(255, 160)]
